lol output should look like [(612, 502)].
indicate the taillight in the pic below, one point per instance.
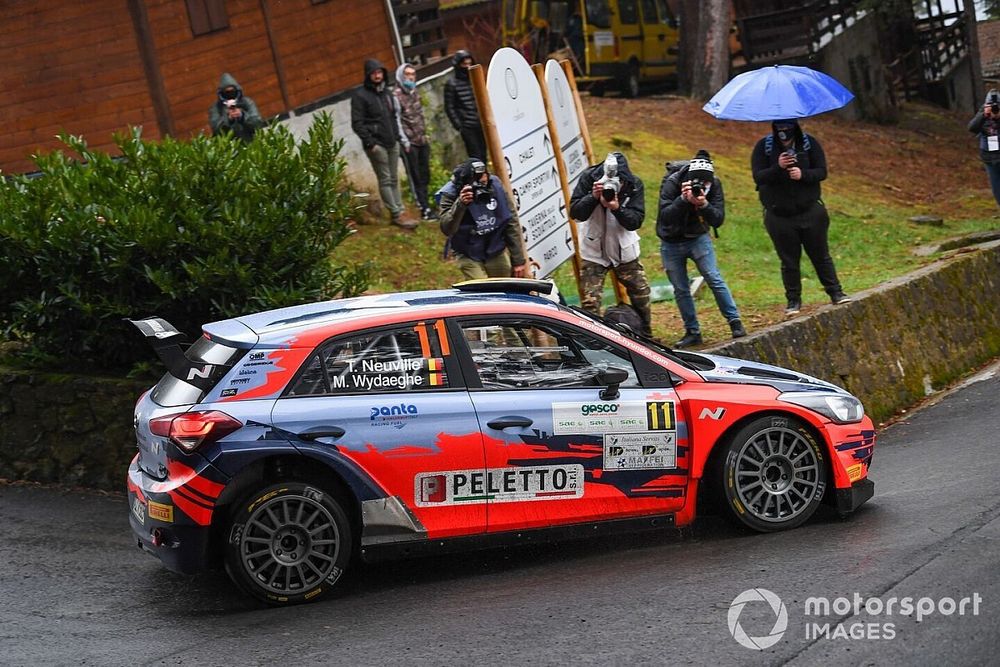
[(190, 430)]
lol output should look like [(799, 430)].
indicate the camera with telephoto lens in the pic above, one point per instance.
[(482, 193), (994, 101), (610, 183)]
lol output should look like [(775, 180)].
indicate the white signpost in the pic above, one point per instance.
[(522, 125), (567, 125)]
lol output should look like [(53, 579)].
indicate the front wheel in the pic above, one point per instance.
[(630, 85), (288, 543), (772, 474)]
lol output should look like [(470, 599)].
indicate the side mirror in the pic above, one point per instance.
[(611, 378)]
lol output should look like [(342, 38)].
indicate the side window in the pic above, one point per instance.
[(649, 11), (628, 13), (395, 360), (665, 13), (207, 16), (533, 355), (598, 14)]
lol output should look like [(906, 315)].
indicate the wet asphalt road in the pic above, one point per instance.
[(75, 591)]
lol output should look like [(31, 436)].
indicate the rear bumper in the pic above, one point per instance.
[(161, 526), (854, 497)]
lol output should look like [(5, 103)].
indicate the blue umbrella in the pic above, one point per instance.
[(774, 93)]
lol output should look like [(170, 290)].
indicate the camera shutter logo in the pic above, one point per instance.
[(780, 620), (510, 79)]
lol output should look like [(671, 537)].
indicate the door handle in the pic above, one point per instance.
[(322, 432), (500, 423)]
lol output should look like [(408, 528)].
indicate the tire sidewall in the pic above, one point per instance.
[(727, 474), (241, 515)]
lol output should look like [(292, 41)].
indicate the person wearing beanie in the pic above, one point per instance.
[(788, 166), (691, 203), (986, 125), (460, 106)]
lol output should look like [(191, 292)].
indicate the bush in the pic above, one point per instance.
[(191, 231)]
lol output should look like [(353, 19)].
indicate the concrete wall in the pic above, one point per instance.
[(854, 59), (446, 144), (889, 346)]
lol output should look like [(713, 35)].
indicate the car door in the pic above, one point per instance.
[(654, 41), (556, 452), (629, 32), (391, 401)]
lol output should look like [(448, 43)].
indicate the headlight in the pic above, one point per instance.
[(839, 408)]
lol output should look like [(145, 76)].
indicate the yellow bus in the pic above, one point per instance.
[(612, 43)]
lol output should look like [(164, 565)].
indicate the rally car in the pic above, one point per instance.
[(287, 443)]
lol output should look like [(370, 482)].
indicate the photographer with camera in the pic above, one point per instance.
[(481, 224), (233, 111), (608, 200), (986, 124), (691, 203), (788, 166)]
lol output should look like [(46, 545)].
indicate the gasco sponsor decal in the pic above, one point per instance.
[(609, 417), (640, 451), (498, 485)]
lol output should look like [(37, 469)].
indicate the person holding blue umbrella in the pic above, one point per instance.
[(788, 166)]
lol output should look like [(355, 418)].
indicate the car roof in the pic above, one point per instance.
[(281, 324)]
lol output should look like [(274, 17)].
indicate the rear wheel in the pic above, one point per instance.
[(288, 543), (630, 84), (772, 474)]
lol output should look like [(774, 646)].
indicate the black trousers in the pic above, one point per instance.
[(475, 142), (793, 234), (418, 168)]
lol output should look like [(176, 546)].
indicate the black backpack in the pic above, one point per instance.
[(624, 313)]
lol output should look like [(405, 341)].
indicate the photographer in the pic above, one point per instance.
[(692, 202), (233, 111), (788, 166), (608, 200), (481, 224), (986, 124)]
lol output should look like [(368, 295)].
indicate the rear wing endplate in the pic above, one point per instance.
[(167, 342)]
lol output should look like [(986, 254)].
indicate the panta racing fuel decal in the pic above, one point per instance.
[(640, 451), (498, 485), (610, 417)]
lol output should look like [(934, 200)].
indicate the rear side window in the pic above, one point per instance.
[(392, 360), (209, 361), (598, 13), (627, 12)]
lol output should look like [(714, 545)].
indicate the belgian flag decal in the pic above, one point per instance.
[(660, 416), (435, 372)]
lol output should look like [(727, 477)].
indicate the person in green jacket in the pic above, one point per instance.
[(233, 111)]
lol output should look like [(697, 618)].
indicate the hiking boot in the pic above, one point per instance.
[(737, 328), (793, 308), (839, 298), (690, 338), (405, 223)]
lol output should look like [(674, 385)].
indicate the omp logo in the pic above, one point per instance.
[(203, 373), (256, 356), (780, 618), (602, 408), (715, 414)]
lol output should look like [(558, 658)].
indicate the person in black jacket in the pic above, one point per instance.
[(375, 119), (234, 112), (692, 202), (460, 105), (986, 125), (788, 166)]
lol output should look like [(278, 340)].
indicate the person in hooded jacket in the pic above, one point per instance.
[(483, 230), (411, 117), (986, 125), (609, 238), (691, 203), (460, 106), (234, 112), (788, 166), (375, 119)]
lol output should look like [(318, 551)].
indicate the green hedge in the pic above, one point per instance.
[(191, 231)]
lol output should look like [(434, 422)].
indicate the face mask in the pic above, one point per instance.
[(409, 85), (784, 135)]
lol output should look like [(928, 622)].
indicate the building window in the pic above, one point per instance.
[(207, 16)]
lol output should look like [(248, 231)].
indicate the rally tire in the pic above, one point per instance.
[(771, 474), (288, 543)]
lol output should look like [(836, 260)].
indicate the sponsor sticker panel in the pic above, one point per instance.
[(612, 417), (640, 451), (498, 485)]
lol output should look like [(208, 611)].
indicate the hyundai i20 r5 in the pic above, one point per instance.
[(287, 443)]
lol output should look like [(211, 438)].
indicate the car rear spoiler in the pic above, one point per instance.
[(168, 344)]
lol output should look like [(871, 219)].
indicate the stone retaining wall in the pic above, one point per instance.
[(890, 347)]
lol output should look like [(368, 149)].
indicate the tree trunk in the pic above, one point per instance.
[(711, 54), (689, 15)]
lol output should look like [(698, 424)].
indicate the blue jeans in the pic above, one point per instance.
[(701, 250), (993, 171)]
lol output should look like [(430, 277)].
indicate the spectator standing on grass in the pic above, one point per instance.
[(234, 112), (411, 117), (375, 119), (788, 166), (691, 203), (460, 106), (986, 125)]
